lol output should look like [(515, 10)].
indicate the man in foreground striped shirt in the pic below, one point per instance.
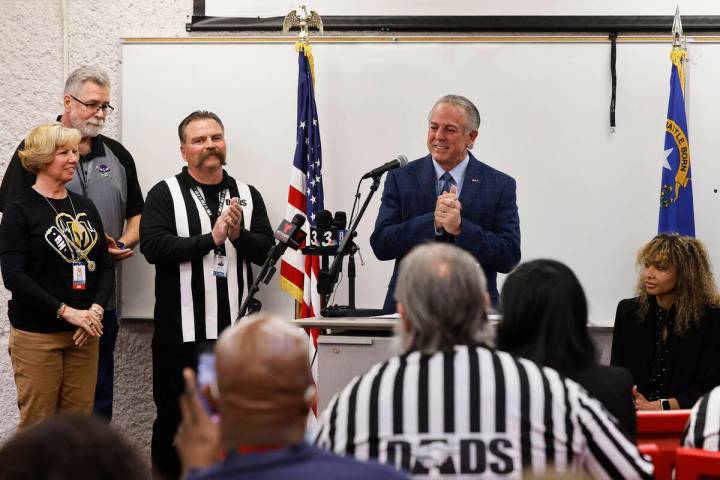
[(449, 407)]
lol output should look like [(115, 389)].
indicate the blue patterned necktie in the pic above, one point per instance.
[(447, 182)]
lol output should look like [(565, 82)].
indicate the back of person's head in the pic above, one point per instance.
[(442, 298), (265, 386), (70, 447), (545, 316)]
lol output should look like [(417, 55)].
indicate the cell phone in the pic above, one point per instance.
[(206, 377)]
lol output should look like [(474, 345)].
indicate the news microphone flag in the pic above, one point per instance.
[(676, 196), (299, 273)]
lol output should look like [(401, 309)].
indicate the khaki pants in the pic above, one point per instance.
[(52, 375)]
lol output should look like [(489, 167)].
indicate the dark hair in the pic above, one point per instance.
[(545, 316), (76, 447), (197, 115)]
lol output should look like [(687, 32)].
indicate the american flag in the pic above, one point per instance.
[(299, 273)]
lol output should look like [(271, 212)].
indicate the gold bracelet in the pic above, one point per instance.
[(61, 311), (98, 310)]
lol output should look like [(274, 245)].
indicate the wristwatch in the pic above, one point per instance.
[(665, 404)]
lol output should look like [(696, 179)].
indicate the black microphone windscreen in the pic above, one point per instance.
[(298, 219), (324, 220), (340, 220)]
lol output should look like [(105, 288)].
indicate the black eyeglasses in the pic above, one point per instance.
[(106, 108)]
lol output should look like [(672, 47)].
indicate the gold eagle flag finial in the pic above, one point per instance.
[(301, 18)]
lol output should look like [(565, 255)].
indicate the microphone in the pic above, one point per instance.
[(340, 224), (340, 220), (399, 162), (288, 234), (324, 220)]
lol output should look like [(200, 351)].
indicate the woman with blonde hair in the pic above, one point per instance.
[(55, 263), (669, 335)]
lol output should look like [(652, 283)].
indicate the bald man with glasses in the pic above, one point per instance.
[(106, 174)]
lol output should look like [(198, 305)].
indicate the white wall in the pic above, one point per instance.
[(545, 107)]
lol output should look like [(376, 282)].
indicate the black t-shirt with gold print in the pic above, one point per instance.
[(40, 241)]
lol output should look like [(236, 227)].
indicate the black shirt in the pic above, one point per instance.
[(613, 387), (37, 262), (690, 360)]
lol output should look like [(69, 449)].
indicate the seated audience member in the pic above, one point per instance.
[(669, 335), (545, 320), (264, 393), (70, 447), (448, 405), (703, 427)]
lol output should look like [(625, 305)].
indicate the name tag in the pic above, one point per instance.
[(79, 276), (220, 266)]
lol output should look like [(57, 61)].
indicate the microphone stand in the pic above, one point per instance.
[(266, 273), (328, 279)]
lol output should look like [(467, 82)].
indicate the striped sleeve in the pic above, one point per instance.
[(703, 427), (609, 453), (349, 424)]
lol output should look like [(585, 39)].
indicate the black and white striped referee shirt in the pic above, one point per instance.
[(476, 413), (703, 427), (191, 303)]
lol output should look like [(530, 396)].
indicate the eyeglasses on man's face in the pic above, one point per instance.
[(96, 107)]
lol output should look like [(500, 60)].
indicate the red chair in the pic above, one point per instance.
[(664, 430), (662, 460), (661, 428), (694, 463)]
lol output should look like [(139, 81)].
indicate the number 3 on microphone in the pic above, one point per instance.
[(313, 237), (327, 239)]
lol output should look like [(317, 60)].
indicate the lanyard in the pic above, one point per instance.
[(221, 201), (220, 250)]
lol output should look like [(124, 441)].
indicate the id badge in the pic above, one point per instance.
[(220, 266), (79, 278)]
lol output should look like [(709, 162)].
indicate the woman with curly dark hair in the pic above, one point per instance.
[(669, 335)]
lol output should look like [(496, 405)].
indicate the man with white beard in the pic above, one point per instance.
[(106, 174)]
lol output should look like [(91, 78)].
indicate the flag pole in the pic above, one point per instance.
[(303, 20), (676, 198)]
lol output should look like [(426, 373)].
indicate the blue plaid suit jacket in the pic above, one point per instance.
[(490, 222)]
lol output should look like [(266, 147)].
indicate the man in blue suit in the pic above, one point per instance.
[(449, 196)]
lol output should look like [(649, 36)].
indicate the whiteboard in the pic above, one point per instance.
[(586, 197), (275, 8)]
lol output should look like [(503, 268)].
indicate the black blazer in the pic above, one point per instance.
[(695, 356), (612, 386)]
